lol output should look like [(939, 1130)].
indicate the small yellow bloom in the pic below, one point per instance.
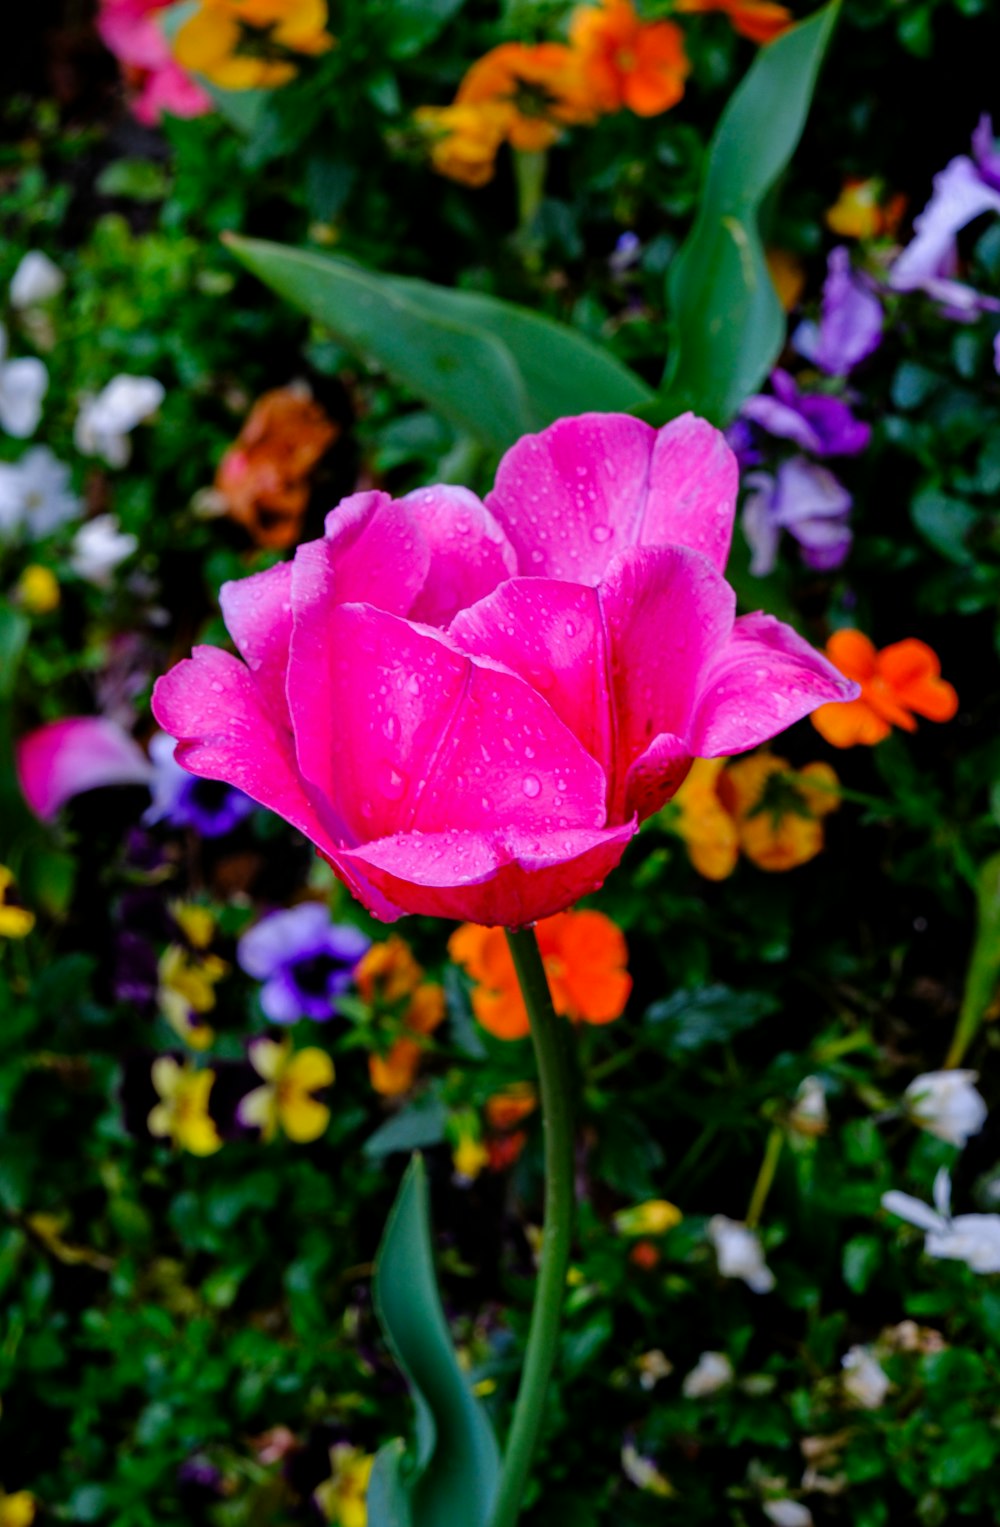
[(654, 1217), (464, 139), (341, 1498), (699, 817), (286, 1101), (188, 977), (182, 1114), (862, 211), (37, 590), (17, 1510), (240, 44), (756, 805), (15, 921)]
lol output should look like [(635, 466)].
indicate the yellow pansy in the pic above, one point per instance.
[(699, 817), (286, 1101), (37, 590), (341, 1498), (15, 921), (468, 1153), (758, 806), (17, 1510), (654, 1217), (464, 139), (182, 1114), (240, 44)]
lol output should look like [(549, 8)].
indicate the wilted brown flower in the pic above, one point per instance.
[(264, 475)]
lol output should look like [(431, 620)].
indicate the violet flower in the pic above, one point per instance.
[(807, 501), (304, 960), (741, 437), (182, 800), (964, 190), (825, 426), (850, 324)]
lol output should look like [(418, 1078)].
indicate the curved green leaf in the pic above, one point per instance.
[(16, 821), (453, 1479), (726, 323), (387, 1501), (983, 976)]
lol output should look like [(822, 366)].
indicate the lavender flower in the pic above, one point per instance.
[(825, 426), (850, 325), (304, 960), (807, 501), (184, 800)]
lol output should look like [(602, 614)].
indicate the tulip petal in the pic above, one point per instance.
[(66, 758), (258, 615), (372, 553), (469, 553), (765, 678)]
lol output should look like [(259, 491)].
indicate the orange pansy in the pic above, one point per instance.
[(760, 20), (584, 954), (264, 475), (898, 682), (541, 86), (757, 806), (386, 977), (627, 61)]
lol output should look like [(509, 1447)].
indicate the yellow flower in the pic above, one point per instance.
[(17, 1510), (286, 1100), (654, 1217), (341, 1498), (464, 139), (188, 977), (212, 41), (15, 921), (699, 817), (182, 1114), (468, 1153), (757, 806), (37, 590), (862, 212)]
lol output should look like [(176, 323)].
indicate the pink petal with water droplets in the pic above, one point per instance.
[(694, 480), (65, 758), (258, 615), (469, 553), (760, 682), (372, 553), (657, 775)]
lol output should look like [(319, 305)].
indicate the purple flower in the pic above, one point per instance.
[(304, 960), (182, 800), (741, 437), (964, 190), (808, 502), (850, 326), (825, 426)]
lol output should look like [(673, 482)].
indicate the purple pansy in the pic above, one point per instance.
[(807, 501), (850, 324), (304, 960), (182, 800), (825, 426), (741, 437), (964, 190)]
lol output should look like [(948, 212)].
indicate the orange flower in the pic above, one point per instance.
[(263, 477), (387, 977), (584, 954), (541, 86), (505, 1110), (241, 44), (860, 212), (760, 20), (896, 683), (628, 62), (754, 807), (464, 139)]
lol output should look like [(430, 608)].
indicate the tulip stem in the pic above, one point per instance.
[(765, 1177), (557, 1124)]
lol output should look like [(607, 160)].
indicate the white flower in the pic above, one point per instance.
[(947, 1104), (865, 1381), (809, 1114), (36, 280), (712, 1371), (98, 547), (23, 385), (35, 496), (788, 1513), (104, 423), (970, 1238), (739, 1253), (642, 1471)]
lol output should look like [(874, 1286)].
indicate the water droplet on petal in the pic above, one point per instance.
[(390, 727), (391, 782), (531, 785), (600, 533)]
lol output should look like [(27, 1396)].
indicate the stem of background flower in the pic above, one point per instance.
[(557, 1124), (765, 1177), (529, 173)]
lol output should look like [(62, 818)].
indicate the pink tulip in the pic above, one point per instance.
[(65, 758), (129, 30), (469, 708)]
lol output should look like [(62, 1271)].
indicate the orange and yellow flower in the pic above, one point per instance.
[(390, 980), (626, 61), (264, 475), (464, 139), (759, 20), (897, 683), (862, 211), (584, 954), (541, 86), (243, 44), (756, 806)]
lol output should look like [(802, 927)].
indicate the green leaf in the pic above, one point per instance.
[(726, 323), (421, 1124), (453, 1479), (16, 822), (387, 1501), (984, 966), (690, 1020), (494, 370), (946, 523), (409, 25)]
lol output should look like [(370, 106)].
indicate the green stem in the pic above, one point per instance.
[(765, 1177), (557, 1123)]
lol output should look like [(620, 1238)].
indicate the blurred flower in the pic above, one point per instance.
[(182, 1114), (35, 497), (898, 682), (129, 30), (865, 1381), (23, 385), (806, 500), (64, 758), (970, 1238), (787, 1513), (181, 799), (850, 324), (653, 1366), (18, 1509), (964, 190), (698, 816), (584, 954), (809, 1115), (37, 279), (946, 1104), (469, 1155), (243, 44), (642, 1471), (507, 1109), (15, 921), (812, 421), (304, 960), (712, 1372), (341, 1498), (541, 86), (788, 274), (464, 139), (739, 1253), (627, 62), (654, 1217), (104, 423), (861, 212), (188, 976), (37, 590), (264, 476), (390, 980), (287, 1100), (760, 20), (757, 805), (98, 548)]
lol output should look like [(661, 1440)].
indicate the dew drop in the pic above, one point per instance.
[(413, 685), (390, 728), (600, 533), (531, 785), (570, 628), (217, 688), (391, 782)]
